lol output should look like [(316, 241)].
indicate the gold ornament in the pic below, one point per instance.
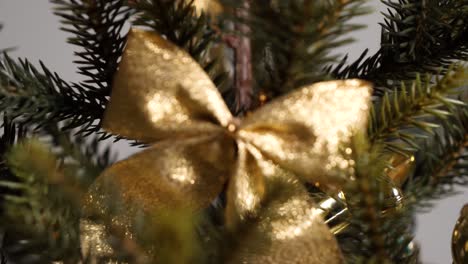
[(336, 214), (335, 211), (460, 238), (402, 167), (162, 96)]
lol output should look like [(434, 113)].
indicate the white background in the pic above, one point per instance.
[(34, 30)]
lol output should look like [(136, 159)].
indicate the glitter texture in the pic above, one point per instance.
[(163, 97), (91, 232)]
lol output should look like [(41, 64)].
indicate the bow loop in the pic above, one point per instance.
[(170, 97), (246, 188), (304, 130), (188, 173)]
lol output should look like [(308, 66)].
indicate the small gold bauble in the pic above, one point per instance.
[(460, 238), (336, 213), (402, 168)]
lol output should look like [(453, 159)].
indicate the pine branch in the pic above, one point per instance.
[(87, 154), (417, 37), (357, 69), (11, 134), (97, 27), (43, 198), (425, 34), (43, 98), (402, 118), (294, 49), (179, 22), (45, 213), (42, 216), (378, 232), (446, 164)]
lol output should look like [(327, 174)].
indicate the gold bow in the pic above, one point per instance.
[(162, 96)]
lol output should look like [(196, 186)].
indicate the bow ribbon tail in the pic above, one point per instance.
[(246, 188), (287, 227)]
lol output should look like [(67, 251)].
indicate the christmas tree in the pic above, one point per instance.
[(257, 145)]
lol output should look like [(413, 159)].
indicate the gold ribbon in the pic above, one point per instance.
[(211, 7), (162, 96)]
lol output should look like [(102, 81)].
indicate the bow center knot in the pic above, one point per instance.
[(233, 125)]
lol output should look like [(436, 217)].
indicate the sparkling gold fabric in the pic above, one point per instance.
[(460, 238), (212, 7), (160, 92), (163, 97), (186, 172), (93, 239), (303, 130), (290, 228)]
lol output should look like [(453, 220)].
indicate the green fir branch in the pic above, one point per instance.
[(293, 39), (85, 154), (425, 34), (45, 195), (360, 67), (45, 213), (417, 37), (445, 164), (379, 227), (402, 118), (12, 133), (42, 98), (179, 22), (97, 28)]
